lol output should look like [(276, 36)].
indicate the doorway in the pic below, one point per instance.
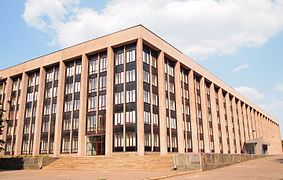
[(95, 145)]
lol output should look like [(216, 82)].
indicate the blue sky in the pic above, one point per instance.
[(239, 41)]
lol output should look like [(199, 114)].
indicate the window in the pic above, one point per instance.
[(75, 123), (173, 123), (91, 123), (154, 62), (92, 85), (77, 87), (119, 118), (93, 66), (75, 145), (145, 57), (155, 140), (131, 117), (103, 64), (155, 119), (187, 109), (66, 145), (131, 75), (78, 69), (154, 99), (201, 144), (145, 77), (66, 124), (56, 74), (70, 71), (68, 106), (9, 130), (174, 142), (171, 87), (25, 147), (147, 139), (30, 81), (26, 128), (49, 77), (54, 108), (102, 83), (51, 146), (119, 78), (102, 102), (146, 117), (118, 140), (154, 80), (43, 146), (119, 59), (119, 98), (146, 96), (171, 71), (54, 91), (69, 89), (46, 109), (131, 140), (45, 126), (131, 55), (130, 96), (92, 101), (172, 105), (28, 112), (76, 105), (48, 93), (101, 122)]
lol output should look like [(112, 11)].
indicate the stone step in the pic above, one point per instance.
[(117, 162)]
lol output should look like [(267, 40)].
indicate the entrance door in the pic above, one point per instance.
[(95, 145)]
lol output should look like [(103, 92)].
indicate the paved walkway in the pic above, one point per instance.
[(265, 168)]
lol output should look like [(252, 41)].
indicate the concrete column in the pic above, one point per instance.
[(249, 123), (83, 107), (60, 109), (230, 125), (39, 110), (214, 119), (245, 122), (109, 102), (140, 103), (241, 124), (20, 123), (222, 120), (253, 124), (180, 127), (162, 104), (236, 126), (203, 98), (193, 111)]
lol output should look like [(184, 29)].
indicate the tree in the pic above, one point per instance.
[(2, 142)]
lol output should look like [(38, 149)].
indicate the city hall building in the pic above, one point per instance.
[(127, 92)]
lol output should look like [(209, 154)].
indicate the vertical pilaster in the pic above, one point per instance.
[(222, 120), (245, 122), (236, 125), (180, 127), (214, 119), (60, 109), (241, 124), (83, 107), (140, 106), (230, 125), (20, 123), (249, 122), (203, 98), (39, 109), (253, 123), (162, 104), (109, 101), (193, 111)]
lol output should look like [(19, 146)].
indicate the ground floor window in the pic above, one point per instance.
[(95, 145), (66, 145)]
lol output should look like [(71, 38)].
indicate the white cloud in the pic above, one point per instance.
[(198, 28), (250, 93), (241, 67), (275, 106), (279, 87)]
